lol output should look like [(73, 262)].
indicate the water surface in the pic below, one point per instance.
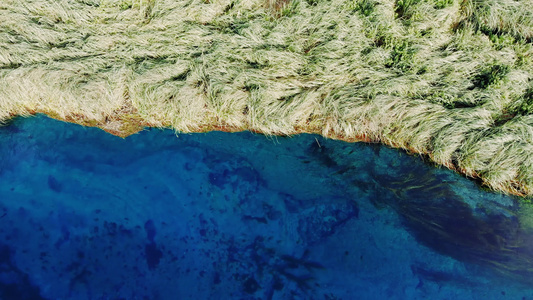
[(86, 215)]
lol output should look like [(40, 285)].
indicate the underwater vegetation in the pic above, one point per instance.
[(468, 228), (484, 234), (14, 283), (271, 271)]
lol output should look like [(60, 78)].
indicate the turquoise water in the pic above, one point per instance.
[(86, 215)]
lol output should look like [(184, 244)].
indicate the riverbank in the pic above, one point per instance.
[(225, 216), (450, 80)]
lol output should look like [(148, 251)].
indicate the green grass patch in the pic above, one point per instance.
[(402, 8), (526, 106), (440, 4), (401, 56), (490, 75), (364, 7)]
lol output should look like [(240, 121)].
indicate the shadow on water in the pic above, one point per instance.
[(14, 283), (441, 219), (464, 223)]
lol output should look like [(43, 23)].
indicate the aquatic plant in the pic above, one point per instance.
[(449, 79), (487, 234)]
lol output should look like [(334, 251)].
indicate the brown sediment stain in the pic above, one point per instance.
[(122, 122), (276, 6)]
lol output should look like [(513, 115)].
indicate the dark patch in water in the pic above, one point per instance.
[(111, 228), (298, 270), (10, 126), (65, 236), (439, 218), (153, 255), (425, 273), (54, 184), (321, 154), (261, 220), (216, 278), (270, 212), (272, 272), (292, 204), (149, 227), (449, 226), (250, 285), (323, 220), (234, 177), (15, 284), (247, 173), (376, 148), (295, 262), (219, 179)]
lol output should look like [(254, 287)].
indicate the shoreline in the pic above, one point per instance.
[(134, 125), (449, 80)]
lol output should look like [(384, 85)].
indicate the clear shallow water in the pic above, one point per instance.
[(86, 215)]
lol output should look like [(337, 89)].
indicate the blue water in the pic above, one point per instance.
[(86, 215)]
